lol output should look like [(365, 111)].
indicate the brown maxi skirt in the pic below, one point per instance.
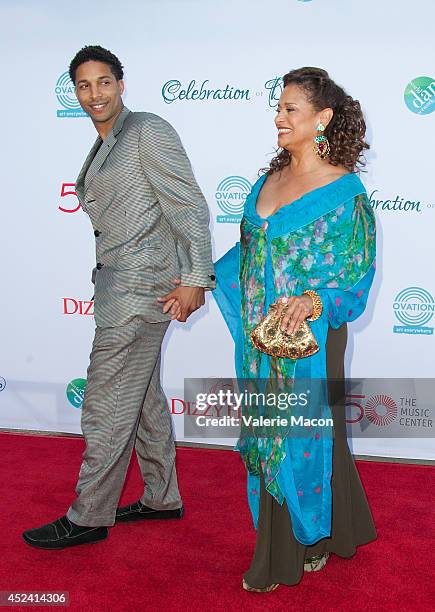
[(278, 556)]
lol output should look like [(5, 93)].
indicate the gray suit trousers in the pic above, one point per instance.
[(124, 406)]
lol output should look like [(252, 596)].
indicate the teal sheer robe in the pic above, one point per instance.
[(323, 241)]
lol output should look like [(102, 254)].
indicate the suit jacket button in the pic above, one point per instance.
[(212, 277), (97, 233), (99, 266)]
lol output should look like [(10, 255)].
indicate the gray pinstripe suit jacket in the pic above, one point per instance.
[(149, 216)]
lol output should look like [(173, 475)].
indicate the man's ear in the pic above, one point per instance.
[(121, 86)]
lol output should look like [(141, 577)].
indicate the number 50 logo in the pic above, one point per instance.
[(68, 189), (380, 409)]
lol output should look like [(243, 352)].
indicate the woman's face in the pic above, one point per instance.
[(296, 119)]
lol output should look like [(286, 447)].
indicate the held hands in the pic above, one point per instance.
[(182, 301), (294, 310)]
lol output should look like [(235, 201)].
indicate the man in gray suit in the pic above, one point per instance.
[(154, 262)]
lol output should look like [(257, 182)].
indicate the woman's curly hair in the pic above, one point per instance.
[(345, 131)]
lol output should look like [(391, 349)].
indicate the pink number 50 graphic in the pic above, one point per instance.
[(65, 191)]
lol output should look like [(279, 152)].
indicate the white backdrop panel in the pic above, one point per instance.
[(373, 49)]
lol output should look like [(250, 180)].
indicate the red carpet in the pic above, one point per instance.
[(197, 563)]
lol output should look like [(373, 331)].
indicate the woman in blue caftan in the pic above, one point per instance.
[(307, 244)]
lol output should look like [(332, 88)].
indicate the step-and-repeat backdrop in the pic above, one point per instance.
[(213, 70)]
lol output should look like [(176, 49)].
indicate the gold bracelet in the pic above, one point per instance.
[(317, 304)]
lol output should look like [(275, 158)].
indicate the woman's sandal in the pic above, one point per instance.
[(267, 589), (316, 563)]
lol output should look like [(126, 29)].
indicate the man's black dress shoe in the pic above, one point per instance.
[(63, 533), (138, 512)]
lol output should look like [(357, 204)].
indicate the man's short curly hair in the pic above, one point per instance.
[(97, 54)]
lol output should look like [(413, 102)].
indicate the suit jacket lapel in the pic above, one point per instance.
[(80, 182), (104, 150), (99, 159)]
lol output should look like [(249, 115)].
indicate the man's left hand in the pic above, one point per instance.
[(182, 301)]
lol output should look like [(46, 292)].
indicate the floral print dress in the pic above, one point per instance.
[(324, 241)]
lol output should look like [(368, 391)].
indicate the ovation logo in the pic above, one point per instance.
[(2, 384), (414, 307), (65, 93), (230, 195), (75, 392), (420, 95), (174, 90)]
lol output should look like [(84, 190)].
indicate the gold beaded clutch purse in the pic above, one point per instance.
[(268, 337)]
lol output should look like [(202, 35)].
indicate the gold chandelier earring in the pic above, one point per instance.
[(321, 143)]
